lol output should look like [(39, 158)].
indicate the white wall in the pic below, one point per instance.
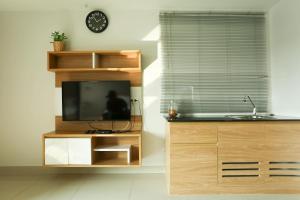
[(27, 101), (27, 93), (285, 57)]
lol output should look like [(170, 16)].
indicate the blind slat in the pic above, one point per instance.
[(211, 61)]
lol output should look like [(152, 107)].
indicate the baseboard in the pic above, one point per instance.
[(39, 170)]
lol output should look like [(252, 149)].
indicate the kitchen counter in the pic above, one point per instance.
[(222, 155), (230, 118)]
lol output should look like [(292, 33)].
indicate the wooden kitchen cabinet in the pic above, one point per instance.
[(192, 158), (193, 168), (240, 153), (261, 157), (186, 133)]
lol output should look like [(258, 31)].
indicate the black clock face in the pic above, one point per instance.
[(96, 21)]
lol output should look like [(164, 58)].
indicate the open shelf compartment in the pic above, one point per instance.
[(116, 148), (74, 61), (112, 151), (122, 60), (70, 61)]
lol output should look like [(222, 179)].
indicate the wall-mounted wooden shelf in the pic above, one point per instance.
[(97, 69), (96, 65), (57, 151), (68, 145), (70, 61)]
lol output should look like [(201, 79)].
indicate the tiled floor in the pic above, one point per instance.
[(102, 187)]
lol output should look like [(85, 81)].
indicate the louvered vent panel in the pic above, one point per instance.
[(240, 169), (284, 169)]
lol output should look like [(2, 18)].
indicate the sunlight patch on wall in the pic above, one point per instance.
[(148, 101), (152, 73), (153, 35)]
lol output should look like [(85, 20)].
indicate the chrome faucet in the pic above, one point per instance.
[(254, 107)]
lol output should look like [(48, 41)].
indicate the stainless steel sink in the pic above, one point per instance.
[(250, 117)]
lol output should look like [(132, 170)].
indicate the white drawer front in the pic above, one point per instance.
[(80, 151), (56, 151)]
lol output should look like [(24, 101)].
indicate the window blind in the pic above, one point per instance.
[(211, 61)]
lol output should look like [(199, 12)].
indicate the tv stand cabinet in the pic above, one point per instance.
[(77, 149), (69, 145)]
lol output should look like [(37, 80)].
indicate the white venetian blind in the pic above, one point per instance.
[(211, 61)]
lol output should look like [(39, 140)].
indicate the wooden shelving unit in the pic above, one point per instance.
[(96, 65), (100, 159), (68, 145), (76, 130), (81, 61)]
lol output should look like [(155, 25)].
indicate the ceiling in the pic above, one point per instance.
[(45, 5)]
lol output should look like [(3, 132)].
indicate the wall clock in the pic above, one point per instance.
[(96, 21)]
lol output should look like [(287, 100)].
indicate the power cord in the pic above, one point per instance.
[(140, 111), (92, 127), (131, 122), (96, 129)]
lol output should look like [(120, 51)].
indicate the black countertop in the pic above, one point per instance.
[(230, 119)]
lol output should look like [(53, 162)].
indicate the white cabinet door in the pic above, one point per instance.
[(56, 151), (80, 151)]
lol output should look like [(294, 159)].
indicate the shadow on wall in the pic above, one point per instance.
[(154, 124), (153, 144), (149, 55), (151, 39)]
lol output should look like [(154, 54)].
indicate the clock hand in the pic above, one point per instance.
[(96, 19)]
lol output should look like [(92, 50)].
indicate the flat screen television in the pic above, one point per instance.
[(96, 100)]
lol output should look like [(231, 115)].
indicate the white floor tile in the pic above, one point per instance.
[(244, 197), (151, 186), (104, 187), (60, 187), (10, 186)]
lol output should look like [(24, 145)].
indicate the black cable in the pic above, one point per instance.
[(132, 124), (140, 112), (92, 127)]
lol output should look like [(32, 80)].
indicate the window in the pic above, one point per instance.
[(211, 61)]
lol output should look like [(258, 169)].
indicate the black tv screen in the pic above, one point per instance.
[(96, 100)]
